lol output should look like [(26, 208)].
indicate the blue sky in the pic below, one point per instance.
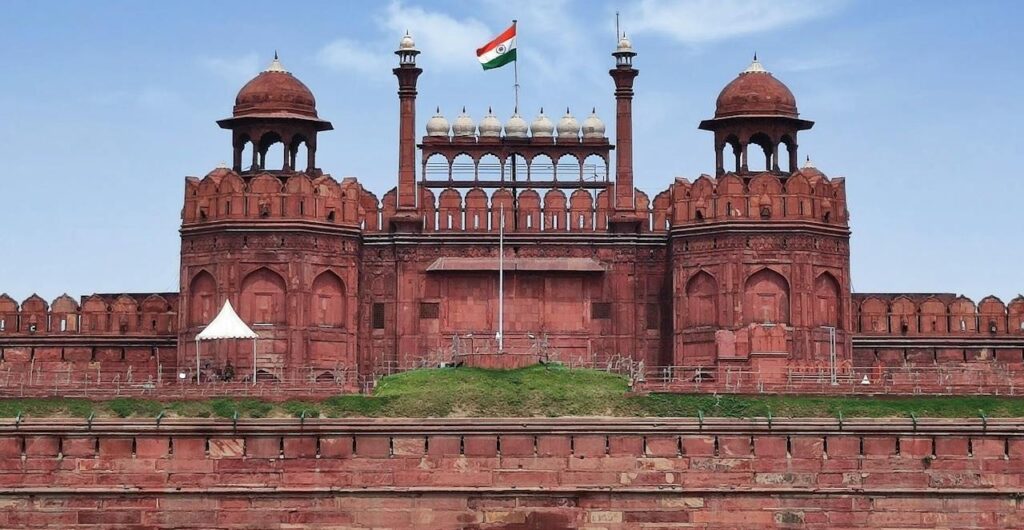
[(105, 107)]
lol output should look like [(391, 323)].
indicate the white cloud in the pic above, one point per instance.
[(234, 69), (450, 42), (447, 42), (699, 21), (347, 54)]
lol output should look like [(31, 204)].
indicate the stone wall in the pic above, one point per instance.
[(513, 474)]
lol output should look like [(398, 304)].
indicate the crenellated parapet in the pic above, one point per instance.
[(134, 314), (224, 195), (807, 195), (936, 315)]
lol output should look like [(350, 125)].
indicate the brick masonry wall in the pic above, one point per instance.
[(507, 474)]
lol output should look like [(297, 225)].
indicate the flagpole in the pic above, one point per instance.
[(515, 63), (501, 281)]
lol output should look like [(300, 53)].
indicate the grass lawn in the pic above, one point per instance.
[(532, 391)]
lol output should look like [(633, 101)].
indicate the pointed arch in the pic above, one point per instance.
[(327, 307), (202, 299), (827, 308), (701, 300), (766, 298), (263, 298)]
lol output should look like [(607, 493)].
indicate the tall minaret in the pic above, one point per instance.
[(407, 73), (624, 218)]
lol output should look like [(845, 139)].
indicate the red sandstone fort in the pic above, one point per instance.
[(746, 269), (736, 282)]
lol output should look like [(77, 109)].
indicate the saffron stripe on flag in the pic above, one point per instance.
[(505, 35)]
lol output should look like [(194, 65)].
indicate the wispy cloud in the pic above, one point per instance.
[(347, 54), (447, 41), (234, 69), (700, 21)]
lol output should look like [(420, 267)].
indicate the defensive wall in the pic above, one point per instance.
[(513, 474), (108, 344)]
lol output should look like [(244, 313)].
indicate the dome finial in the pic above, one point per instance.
[(808, 164), (275, 65), (755, 67)]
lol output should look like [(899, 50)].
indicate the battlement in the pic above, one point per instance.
[(226, 195), (806, 195), (936, 314), (143, 314)]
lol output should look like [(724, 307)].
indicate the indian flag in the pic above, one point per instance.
[(500, 51)]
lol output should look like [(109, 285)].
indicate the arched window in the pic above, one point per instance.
[(328, 301), (262, 299), (766, 298), (759, 153), (826, 301), (731, 154), (595, 169), (298, 153), (701, 300), (202, 299), (271, 150)]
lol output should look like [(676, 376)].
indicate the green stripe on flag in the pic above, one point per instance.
[(501, 60)]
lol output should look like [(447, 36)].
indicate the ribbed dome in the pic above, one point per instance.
[(542, 127), (516, 126), (275, 92), (593, 127), (438, 125), (464, 125), (568, 127), (490, 125), (756, 92)]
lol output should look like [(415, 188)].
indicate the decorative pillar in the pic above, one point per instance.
[(720, 159), (407, 218), (624, 218), (407, 74)]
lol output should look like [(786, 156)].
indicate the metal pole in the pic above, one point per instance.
[(254, 362), (501, 281), (833, 376), (197, 359), (515, 63)]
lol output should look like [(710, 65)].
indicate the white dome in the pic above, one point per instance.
[(516, 126), (593, 127), (438, 125), (464, 125), (490, 125), (406, 43), (625, 46), (542, 126), (568, 127)]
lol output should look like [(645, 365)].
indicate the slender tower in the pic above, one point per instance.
[(407, 219), (624, 218)]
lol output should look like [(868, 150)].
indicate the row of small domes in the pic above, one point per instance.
[(515, 126)]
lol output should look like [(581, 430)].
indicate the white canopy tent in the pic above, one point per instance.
[(227, 325)]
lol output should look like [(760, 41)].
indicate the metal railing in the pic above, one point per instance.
[(158, 381)]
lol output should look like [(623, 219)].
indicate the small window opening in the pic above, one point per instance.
[(378, 315)]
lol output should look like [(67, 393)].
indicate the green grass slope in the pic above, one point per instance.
[(536, 391)]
